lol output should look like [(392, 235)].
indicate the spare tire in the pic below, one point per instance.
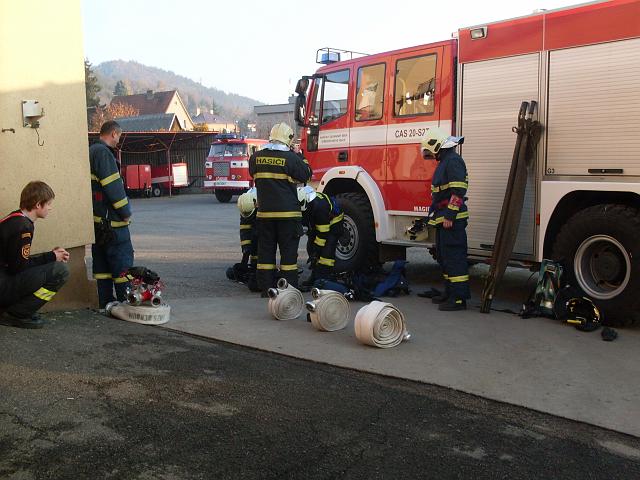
[(600, 250), (357, 249)]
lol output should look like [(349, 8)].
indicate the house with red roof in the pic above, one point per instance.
[(158, 103)]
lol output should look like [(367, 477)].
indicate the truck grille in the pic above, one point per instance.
[(220, 169)]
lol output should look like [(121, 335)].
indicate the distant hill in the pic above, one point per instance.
[(140, 78)]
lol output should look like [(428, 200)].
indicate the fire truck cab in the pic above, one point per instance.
[(227, 165), (363, 120)]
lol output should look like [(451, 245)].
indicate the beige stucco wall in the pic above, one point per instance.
[(41, 58), (176, 106)]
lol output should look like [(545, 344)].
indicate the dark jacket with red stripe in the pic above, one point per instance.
[(449, 188), (16, 235)]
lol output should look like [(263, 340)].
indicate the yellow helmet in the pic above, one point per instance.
[(281, 132), (433, 140), (247, 202), (306, 194)]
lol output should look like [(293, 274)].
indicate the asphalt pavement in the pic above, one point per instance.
[(91, 397)]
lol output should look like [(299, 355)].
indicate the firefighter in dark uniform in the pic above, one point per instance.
[(448, 213), (276, 171), (245, 271), (112, 253), (28, 282), (323, 218)]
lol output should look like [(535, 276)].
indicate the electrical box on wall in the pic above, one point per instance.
[(32, 112)]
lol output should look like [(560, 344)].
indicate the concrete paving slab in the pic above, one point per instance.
[(536, 363)]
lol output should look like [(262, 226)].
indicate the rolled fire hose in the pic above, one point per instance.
[(146, 315), (285, 302), (380, 324), (329, 311)]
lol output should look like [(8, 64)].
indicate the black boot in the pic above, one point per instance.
[(438, 299), (432, 292), (35, 321), (452, 306)]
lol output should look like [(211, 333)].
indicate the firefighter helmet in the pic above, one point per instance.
[(247, 202), (583, 314), (433, 141), (306, 194), (281, 132)]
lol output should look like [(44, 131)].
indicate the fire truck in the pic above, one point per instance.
[(363, 119), (227, 165)]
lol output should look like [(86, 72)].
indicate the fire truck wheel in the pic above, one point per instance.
[(223, 196), (156, 191), (357, 249), (600, 251)]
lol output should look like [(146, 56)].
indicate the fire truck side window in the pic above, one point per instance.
[(370, 92), (415, 86), (336, 92)]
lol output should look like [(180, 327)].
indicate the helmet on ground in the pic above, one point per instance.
[(247, 202), (305, 195), (281, 132), (583, 314)]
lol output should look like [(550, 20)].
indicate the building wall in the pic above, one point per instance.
[(41, 58), (178, 108), (265, 121)]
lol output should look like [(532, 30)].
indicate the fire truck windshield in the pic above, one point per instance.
[(228, 150)]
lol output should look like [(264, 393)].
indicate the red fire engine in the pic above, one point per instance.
[(227, 166), (163, 183), (363, 120)]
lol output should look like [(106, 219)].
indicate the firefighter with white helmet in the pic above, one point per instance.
[(449, 214), (323, 217), (245, 271), (276, 171)]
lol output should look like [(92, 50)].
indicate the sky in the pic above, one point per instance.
[(259, 48)]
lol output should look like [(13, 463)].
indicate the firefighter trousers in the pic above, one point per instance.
[(25, 293), (283, 234), (451, 250), (326, 256), (110, 265)]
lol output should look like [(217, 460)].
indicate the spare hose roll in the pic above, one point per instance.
[(380, 324), (139, 314), (329, 311), (285, 302)]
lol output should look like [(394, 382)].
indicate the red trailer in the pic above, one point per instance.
[(137, 179), (162, 182)]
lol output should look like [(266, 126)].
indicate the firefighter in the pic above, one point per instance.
[(448, 213), (112, 252), (323, 218), (245, 271), (28, 282), (276, 171)]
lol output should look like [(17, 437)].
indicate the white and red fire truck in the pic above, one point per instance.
[(227, 166), (363, 120)]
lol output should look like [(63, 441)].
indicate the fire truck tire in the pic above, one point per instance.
[(600, 251), (357, 249), (156, 191), (223, 196)]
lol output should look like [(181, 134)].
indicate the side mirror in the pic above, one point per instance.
[(302, 85), (300, 111)]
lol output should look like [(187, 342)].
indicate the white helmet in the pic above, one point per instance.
[(436, 139), (247, 202), (281, 132), (305, 195)]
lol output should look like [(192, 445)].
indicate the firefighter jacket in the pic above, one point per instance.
[(322, 216), (16, 235), (276, 172), (248, 234), (448, 189), (107, 188)]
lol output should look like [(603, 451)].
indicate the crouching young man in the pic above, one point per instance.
[(28, 282)]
